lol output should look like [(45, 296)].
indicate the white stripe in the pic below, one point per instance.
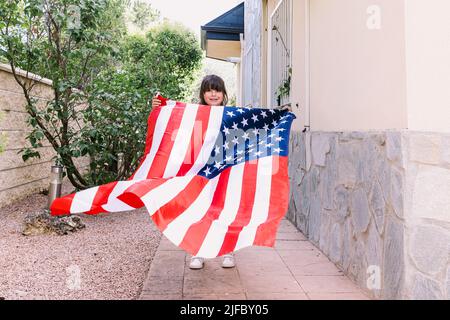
[(177, 229), (164, 193), (82, 201), (114, 204), (261, 204), (214, 124), (160, 128), (182, 141), (216, 234)]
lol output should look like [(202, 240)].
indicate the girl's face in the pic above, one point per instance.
[(213, 98)]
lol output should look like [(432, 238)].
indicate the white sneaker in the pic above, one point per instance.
[(228, 261), (196, 263)]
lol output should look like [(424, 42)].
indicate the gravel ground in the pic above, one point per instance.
[(109, 259)]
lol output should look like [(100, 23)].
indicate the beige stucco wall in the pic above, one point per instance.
[(357, 73), (18, 178), (428, 64)]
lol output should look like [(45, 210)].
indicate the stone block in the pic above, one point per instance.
[(320, 147), (429, 248), (425, 148), (426, 289), (359, 209), (393, 260)]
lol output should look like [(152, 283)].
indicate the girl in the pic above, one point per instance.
[(212, 93)]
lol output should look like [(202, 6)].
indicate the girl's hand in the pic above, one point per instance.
[(155, 101), (287, 107)]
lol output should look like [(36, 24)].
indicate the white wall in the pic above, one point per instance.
[(428, 64), (358, 76)]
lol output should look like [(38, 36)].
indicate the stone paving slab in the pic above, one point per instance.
[(293, 270)]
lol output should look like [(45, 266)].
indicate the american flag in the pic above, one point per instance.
[(213, 179)]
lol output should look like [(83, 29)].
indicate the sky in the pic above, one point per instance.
[(193, 13)]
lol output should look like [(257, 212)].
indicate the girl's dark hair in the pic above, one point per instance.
[(213, 82)]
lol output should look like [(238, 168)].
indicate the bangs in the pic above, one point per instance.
[(213, 83)]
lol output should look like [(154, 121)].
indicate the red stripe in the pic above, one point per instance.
[(245, 208), (197, 232), (151, 124), (101, 198), (61, 206), (183, 200), (161, 159), (133, 194), (197, 139), (279, 201)]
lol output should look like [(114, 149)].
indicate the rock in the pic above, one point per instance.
[(348, 161), (320, 146), (341, 203), (43, 223), (360, 211), (426, 289), (397, 183), (425, 148), (348, 247), (430, 248), (336, 244), (378, 206), (431, 193), (394, 147), (393, 267), (448, 283), (314, 219)]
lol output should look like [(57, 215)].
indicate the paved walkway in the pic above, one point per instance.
[(293, 270)]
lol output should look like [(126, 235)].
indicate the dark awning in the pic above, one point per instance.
[(225, 30)]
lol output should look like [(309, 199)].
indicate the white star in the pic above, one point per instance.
[(230, 113), (279, 139), (257, 154), (228, 159), (272, 111), (226, 130), (255, 118), (236, 140), (244, 122), (263, 114), (251, 145), (283, 122), (266, 127), (281, 130), (217, 165), (239, 152), (255, 132), (269, 145), (277, 150), (272, 135), (251, 150), (240, 159), (274, 123), (235, 126), (207, 172), (217, 150), (245, 136), (241, 111), (226, 146)]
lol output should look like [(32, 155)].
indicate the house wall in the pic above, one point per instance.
[(428, 66), (357, 61), (369, 182)]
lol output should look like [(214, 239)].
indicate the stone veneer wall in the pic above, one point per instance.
[(368, 201)]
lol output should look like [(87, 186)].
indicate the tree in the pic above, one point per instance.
[(69, 42), (142, 14), (164, 60), (102, 79)]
